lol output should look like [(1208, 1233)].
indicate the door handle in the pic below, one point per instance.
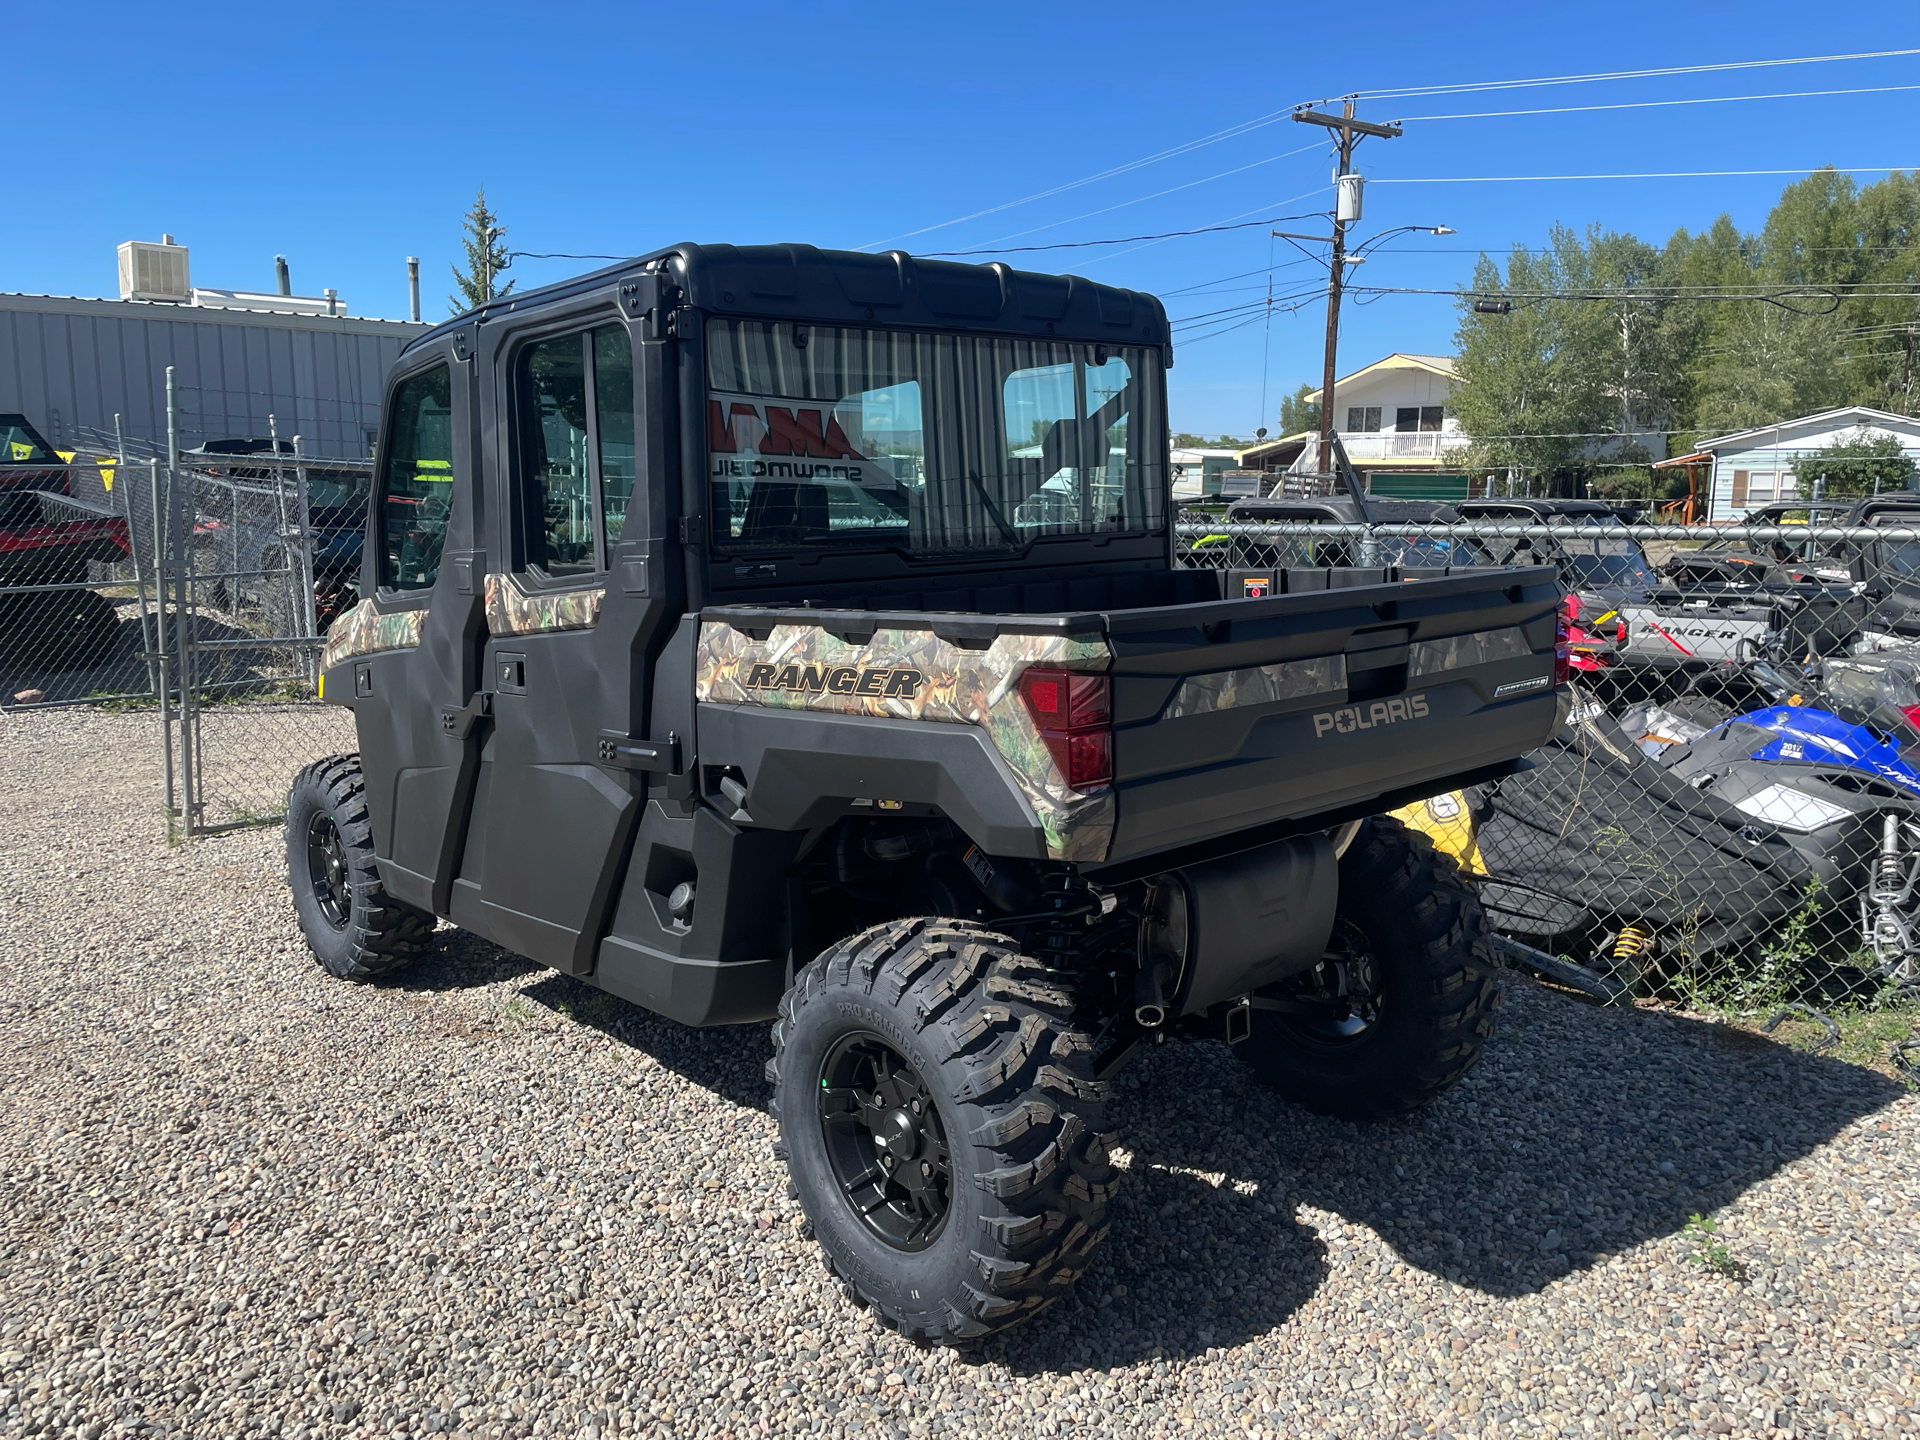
[(659, 756), (458, 721)]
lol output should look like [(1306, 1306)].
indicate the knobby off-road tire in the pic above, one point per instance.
[(1434, 991), (354, 928), (985, 1045)]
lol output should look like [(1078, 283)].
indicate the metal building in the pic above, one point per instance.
[(70, 365)]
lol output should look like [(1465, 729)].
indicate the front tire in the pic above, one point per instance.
[(942, 1126), (354, 928), (1401, 1006)]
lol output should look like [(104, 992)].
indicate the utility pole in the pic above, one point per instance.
[(1350, 132)]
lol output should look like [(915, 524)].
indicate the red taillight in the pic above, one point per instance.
[(1072, 711), (1912, 712)]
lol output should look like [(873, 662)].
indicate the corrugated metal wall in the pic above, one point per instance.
[(69, 365)]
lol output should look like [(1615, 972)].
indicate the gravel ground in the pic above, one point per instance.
[(239, 1199)]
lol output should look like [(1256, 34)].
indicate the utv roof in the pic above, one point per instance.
[(851, 287), (1390, 510), (1537, 506)]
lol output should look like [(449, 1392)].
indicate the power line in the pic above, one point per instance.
[(1656, 104), (1638, 175), (1466, 88), (1156, 195), (1122, 240), (1601, 76)]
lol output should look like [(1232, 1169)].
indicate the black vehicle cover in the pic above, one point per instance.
[(1597, 826)]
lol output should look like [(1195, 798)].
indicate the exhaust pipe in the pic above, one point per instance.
[(1149, 996)]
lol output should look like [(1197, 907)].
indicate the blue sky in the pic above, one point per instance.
[(349, 137)]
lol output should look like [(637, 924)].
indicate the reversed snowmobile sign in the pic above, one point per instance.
[(1692, 634), (752, 437)]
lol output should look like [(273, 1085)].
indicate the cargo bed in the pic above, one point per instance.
[(1228, 714)]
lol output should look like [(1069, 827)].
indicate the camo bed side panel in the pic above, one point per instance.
[(952, 685), (514, 610), (365, 631)]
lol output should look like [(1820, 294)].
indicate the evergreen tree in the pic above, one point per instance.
[(485, 244)]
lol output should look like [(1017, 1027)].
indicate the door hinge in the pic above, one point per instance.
[(657, 756), (689, 529), (458, 721)]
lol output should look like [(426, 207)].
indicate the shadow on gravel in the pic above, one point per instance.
[(1582, 1133), (729, 1060), (460, 961)]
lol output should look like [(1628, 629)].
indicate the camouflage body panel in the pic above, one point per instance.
[(365, 631), (1432, 657), (915, 675), (1259, 685), (514, 610)]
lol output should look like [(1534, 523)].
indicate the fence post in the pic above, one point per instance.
[(309, 616), (156, 639), (182, 537)]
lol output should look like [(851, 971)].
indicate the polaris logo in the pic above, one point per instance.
[(886, 684), (1364, 717)]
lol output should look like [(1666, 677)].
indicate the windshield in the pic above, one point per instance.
[(20, 444), (926, 443), (1610, 558), (335, 489)]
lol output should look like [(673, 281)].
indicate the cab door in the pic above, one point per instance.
[(415, 656), (569, 626)]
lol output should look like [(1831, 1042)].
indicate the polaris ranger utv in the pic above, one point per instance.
[(768, 634)]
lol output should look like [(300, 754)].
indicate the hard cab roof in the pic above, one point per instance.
[(854, 288)]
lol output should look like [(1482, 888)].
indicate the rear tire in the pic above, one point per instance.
[(942, 1126), (354, 928), (1410, 940)]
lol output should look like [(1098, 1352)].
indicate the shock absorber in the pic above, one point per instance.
[(1632, 943)]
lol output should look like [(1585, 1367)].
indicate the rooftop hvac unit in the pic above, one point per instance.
[(154, 272)]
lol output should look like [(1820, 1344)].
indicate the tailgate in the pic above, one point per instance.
[(1244, 712)]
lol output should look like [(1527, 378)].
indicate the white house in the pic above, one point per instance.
[(1391, 418), (1756, 468), (1196, 473)]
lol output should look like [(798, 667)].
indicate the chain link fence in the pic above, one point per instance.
[(1729, 816), (200, 591), (264, 550), (76, 622)]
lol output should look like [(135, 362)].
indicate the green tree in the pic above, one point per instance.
[(1862, 465), (485, 243), (1530, 385), (1297, 413)]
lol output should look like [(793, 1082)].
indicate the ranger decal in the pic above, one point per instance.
[(884, 683)]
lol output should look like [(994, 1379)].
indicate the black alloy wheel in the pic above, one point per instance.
[(355, 929), (327, 868), (1401, 1003), (1342, 998), (886, 1146)]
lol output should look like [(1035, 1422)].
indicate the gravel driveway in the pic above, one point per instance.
[(237, 1198)]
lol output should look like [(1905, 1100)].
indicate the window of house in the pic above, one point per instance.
[(1407, 417), (577, 413), (1430, 416), (416, 486), (1760, 489), (1363, 420)]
